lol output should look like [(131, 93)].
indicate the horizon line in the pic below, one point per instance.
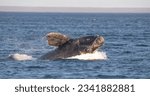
[(74, 9)]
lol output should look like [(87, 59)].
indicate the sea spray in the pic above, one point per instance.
[(20, 57), (97, 55)]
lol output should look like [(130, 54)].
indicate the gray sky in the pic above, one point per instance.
[(78, 3)]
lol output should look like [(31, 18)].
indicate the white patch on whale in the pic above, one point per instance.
[(97, 55), (20, 57)]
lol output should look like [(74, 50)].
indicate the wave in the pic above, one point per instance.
[(97, 55)]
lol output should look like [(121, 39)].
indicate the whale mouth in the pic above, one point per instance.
[(99, 41)]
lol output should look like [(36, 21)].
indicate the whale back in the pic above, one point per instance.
[(56, 39)]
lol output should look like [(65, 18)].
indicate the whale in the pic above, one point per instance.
[(68, 47), (65, 47)]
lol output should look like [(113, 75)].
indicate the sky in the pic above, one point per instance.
[(78, 3)]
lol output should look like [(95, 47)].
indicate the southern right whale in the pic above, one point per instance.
[(68, 47)]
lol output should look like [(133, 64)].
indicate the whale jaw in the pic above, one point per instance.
[(90, 44)]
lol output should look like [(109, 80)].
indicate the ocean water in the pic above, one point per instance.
[(125, 54)]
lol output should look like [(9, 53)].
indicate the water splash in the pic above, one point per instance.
[(20, 57), (97, 55)]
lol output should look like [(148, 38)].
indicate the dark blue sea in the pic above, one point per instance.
[(126, 48)]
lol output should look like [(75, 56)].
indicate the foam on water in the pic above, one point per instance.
[(97, 55), (20, 57)]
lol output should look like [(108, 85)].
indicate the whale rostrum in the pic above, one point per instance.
[(67, 47)]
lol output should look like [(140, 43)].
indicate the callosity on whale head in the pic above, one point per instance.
[(89, 44), (71, 47)]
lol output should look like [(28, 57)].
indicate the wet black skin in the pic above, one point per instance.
[(75, 47)]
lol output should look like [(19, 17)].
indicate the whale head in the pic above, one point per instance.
[(89, 44)]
